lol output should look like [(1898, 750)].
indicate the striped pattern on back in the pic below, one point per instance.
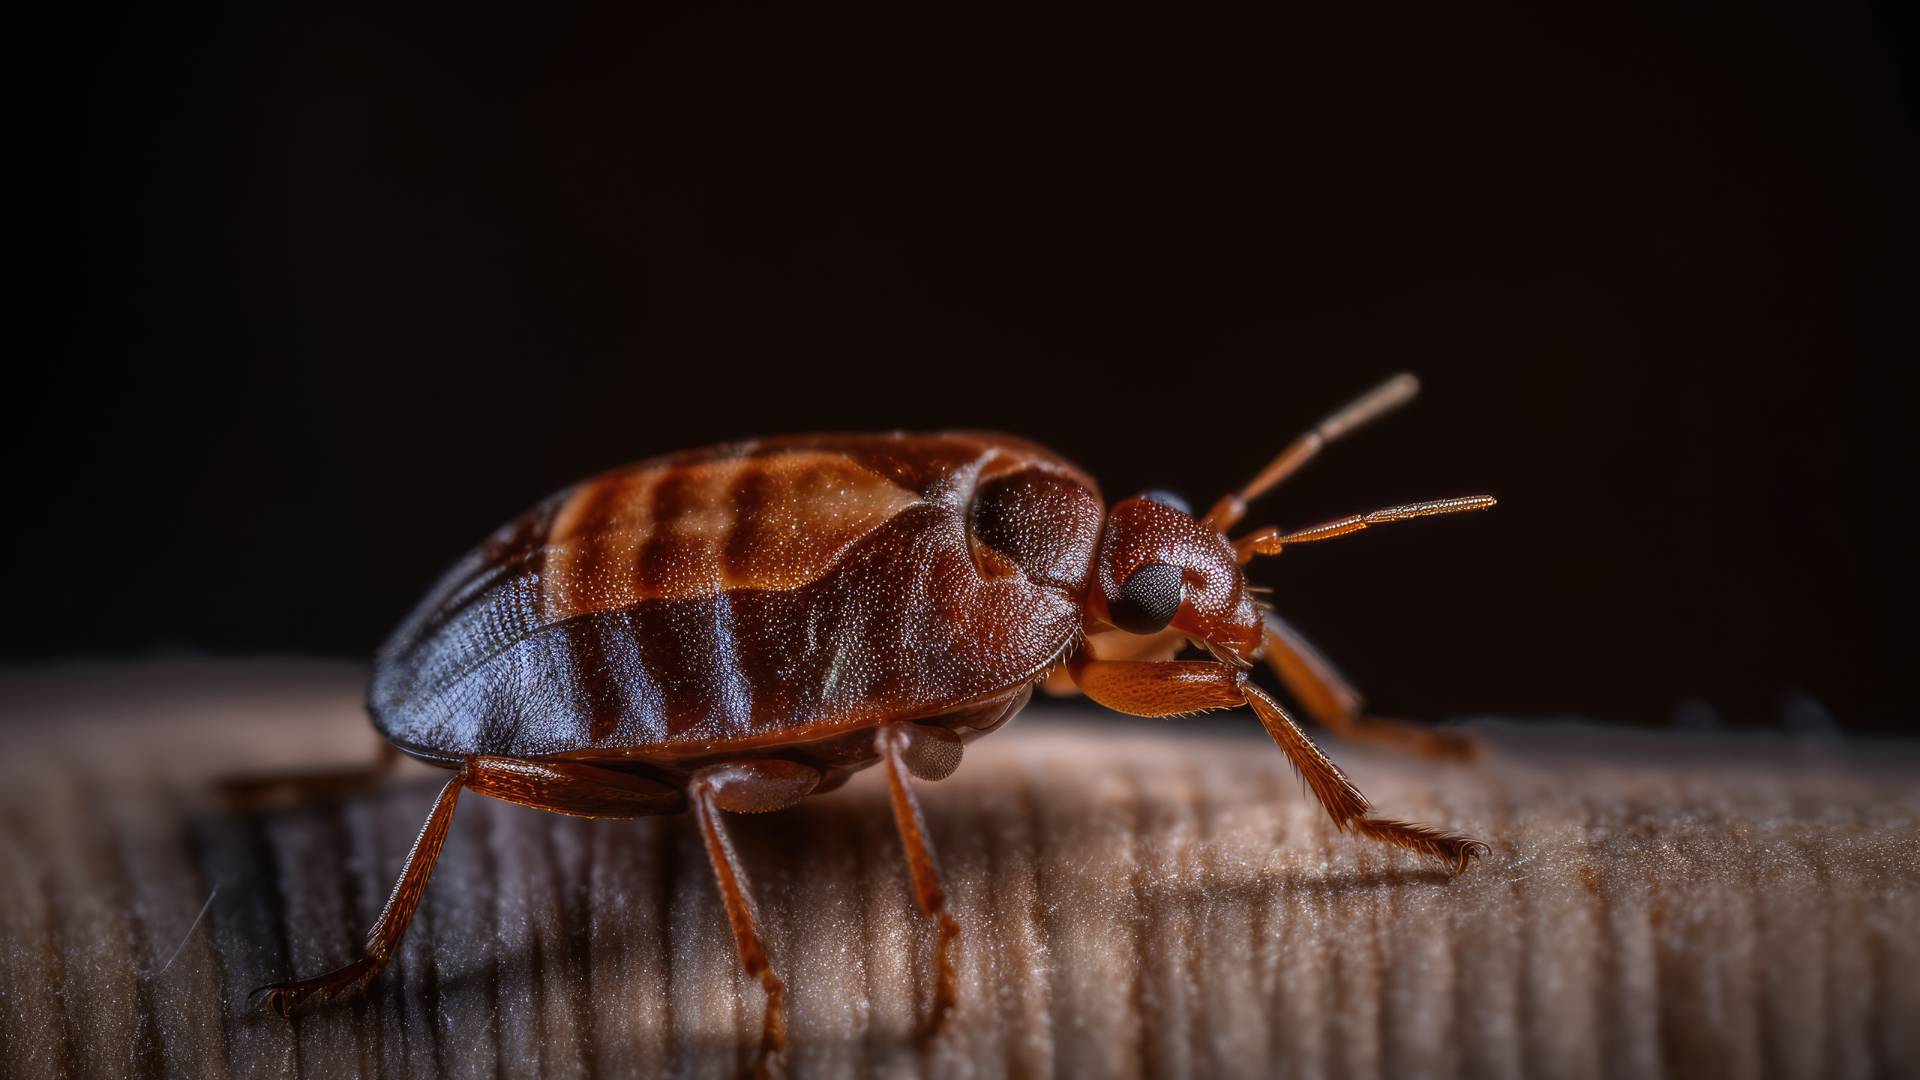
[(785, 588), (693, 531)]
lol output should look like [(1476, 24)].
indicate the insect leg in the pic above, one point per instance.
[(1177, 687), (1333, 702), (891, 741), (1451, 848), (732, 881), (1369, 406), (1164, 688), (582, 790), (559, 787), (571, 788), (1117, 645), (387, 931)]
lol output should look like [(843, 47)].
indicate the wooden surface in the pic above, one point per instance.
[(1138, 899)]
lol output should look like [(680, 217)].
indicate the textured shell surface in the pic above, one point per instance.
[(749, 594)]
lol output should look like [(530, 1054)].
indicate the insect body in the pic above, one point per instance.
[(736, 628)]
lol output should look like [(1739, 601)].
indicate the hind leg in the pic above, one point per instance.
[(563, 788), (749, 787), (388, 929), (893, 742)]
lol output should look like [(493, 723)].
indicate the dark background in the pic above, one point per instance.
[(320, 296)]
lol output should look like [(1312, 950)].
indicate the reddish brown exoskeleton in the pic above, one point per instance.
[(736, 628)]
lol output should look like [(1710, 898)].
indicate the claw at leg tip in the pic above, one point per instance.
[(272, 998), (1470, 851)]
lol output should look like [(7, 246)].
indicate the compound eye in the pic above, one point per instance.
[(1169, 499), (1148, 599)]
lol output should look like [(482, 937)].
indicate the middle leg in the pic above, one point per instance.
[(749, 787), (892, 741)]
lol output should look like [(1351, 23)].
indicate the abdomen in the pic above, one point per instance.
[(780, 590)]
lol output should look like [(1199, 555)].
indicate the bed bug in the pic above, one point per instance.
[(730, 630)]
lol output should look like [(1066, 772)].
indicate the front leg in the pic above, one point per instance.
[(1332, 701), (1178, 687)]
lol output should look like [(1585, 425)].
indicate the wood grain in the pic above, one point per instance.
[(1138, 899)]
